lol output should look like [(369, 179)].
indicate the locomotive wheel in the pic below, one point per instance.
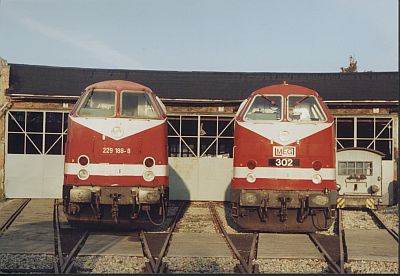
[(249, 220)]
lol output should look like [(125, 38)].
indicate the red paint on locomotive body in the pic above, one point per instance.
[(316, 144), (93, 139), (112, 130), (284, 148)]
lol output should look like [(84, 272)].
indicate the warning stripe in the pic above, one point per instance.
[(370, 203), (341, 202)]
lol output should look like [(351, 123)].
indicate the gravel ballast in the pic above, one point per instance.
[(27, 261), (109, 264), (378, 267), (200, 265), (292, 266)]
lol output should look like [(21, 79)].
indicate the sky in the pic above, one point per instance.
[(202, 35)]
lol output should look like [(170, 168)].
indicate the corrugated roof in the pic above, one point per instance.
[(67, 81)]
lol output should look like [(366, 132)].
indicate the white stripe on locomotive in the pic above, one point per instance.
[(115, 169), (285, 173)]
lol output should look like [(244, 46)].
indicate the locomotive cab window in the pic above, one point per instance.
[(265, 108), (305, 109), (98, 103), (138, 105)]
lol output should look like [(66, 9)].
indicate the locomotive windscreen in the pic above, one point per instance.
[(305, 108), (265, 108), (138, 105), (98, 103)]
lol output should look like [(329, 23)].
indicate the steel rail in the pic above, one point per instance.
[(159, 267), (391, 231), (68, 262), (152, 264), (253, 252), (341, 240), (332, 264), (58, 263), (11, 219), (244, 267)]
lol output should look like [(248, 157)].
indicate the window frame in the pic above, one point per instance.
[(302, 121), (62, 136), (78, 108), (250, 104), (154, 105)]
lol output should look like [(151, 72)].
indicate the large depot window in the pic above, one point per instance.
[(36, 132), (366, 132), (200, 136)]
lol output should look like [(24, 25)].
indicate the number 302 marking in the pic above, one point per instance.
[(284, 162)]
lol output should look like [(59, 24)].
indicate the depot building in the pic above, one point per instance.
[(35, 101)]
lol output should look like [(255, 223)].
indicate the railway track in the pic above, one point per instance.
[(197, 232), (156, 264), (369, 245), (244, 266)]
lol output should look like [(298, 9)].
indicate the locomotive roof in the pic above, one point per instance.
[(119, 85), (285, 89), (64, 82)]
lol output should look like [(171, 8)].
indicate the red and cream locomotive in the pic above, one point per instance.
[(284, 161), (116, 160)]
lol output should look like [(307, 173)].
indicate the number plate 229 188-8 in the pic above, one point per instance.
[(284, 162)]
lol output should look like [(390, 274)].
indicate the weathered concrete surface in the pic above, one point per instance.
[(32, 231), (374, 245), (112, 244), (286, 246), (198, 245)]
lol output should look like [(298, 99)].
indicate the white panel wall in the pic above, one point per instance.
[(34, 176), (200, 178)]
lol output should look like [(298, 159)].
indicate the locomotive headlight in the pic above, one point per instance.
[(148, 176), (149, 195), (83, 174), (248, 199), (149, 162), (338, 187), (317, 165), (320, 200), (251, 164), (251, 178), (316, 179), (83, 160)]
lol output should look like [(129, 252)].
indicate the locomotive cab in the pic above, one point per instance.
[(116, 155), (284, 161)]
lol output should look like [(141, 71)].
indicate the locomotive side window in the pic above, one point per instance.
[(265, 107), (305, 108), (98, 103), (355, 168), (138, 105)]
